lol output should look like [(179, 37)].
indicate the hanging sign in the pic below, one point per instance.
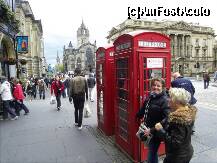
[(22, 44)]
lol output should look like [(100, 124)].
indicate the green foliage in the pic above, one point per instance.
[(8, 16), (59, 68)]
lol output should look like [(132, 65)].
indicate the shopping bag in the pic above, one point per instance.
[(52, 100), (87, 111)]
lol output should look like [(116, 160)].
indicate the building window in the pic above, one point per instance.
[(204, 43), (187, 51), (204, 52), (197, 53), (197, 42)]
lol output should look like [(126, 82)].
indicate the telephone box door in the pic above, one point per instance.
[(150, 67)]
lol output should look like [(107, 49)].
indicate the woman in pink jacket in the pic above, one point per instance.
[(19, 97)]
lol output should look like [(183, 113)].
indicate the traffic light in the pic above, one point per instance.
[(23, 70)]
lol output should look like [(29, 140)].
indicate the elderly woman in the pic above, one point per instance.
[(177, 130), (155, 109)]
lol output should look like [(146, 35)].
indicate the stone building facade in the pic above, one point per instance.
[(193, 47), (83, 56), (8, 32), (32, 28)]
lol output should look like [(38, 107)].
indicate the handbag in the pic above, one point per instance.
[(141, 134), (87, 111), (52, 100)]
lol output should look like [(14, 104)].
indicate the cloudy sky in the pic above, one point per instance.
[(61, 18)]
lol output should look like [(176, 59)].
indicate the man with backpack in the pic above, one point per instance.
[(77, 91)]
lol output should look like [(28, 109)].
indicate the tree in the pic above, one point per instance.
[(59, 68)]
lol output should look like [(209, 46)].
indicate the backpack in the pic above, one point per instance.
[(78, 85)]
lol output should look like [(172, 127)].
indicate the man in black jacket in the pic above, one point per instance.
[(181, 82), (91, 83)]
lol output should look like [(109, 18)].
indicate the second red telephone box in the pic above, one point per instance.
[(138, 59), (105, 89)]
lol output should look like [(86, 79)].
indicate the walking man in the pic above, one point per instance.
[(91, 83), (206, 79), (77, 91), (215, 76)]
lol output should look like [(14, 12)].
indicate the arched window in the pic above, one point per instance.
[(78, 62)]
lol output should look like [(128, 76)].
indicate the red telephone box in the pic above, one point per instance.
[(138, 58), (105, 89)]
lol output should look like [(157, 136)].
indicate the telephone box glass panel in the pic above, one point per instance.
[(100, 106), (99, 74), (122, 96)]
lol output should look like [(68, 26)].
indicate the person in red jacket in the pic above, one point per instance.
[(57, 88), (19, 96)]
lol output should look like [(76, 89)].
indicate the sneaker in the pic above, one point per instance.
[(15, 118), (4, 119), (80, 128), (26, 113), (76, 124)]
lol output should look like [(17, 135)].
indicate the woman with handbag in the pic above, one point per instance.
[(155, 109), (57, 87), (177, 131)]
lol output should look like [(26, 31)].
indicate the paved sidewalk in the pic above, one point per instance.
[(48, 136)]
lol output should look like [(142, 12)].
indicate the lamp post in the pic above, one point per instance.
[(16, 55)]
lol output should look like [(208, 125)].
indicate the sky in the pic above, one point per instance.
[(61, 19)]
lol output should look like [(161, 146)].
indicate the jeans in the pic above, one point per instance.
[(152, 151), (90, 90), (19, 104), (7, 109), (78, 101), (42, 94), (206, 84), (58, 100)]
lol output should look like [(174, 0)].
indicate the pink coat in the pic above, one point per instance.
[(18, 92)]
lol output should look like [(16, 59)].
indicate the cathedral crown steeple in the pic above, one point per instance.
[(82, 34)]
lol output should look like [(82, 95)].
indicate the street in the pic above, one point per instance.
[(48, 136)]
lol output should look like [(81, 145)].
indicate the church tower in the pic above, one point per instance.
[(82, 35), (58, 59)]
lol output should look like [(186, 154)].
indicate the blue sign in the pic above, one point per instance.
[(22, 44)]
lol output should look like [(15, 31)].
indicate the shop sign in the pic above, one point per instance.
[(22, 44)]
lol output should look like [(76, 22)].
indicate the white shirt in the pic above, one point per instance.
[(5, 91)]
